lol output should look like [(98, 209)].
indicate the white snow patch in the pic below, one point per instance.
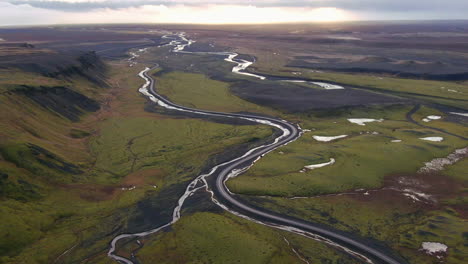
[(362, 121), (434, 247), (431, 117), (433, 139), (327, 139), (328, 86), (316, 166), (396, 141)]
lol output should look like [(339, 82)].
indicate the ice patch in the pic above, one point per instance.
[(362, 121), (316, 166), (328, 139), (433, 139), (434, 247)]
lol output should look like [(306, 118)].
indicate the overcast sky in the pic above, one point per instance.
[(36, 12)]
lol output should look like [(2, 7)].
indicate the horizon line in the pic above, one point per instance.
[(241, 24)]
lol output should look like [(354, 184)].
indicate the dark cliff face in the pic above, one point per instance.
[(88, 65), (60, 65), (60, 100), (17, 45)]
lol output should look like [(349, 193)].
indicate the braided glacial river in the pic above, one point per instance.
[(220, 194)]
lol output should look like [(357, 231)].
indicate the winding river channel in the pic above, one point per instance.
[(219, 174)]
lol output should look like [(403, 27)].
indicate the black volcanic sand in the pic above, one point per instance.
[(294, 98), (285, 96), (409, 69), (419, 49)]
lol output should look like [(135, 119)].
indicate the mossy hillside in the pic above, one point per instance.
[(93, 209), (85, 209)]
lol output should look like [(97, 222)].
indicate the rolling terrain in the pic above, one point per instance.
[(85, 157)]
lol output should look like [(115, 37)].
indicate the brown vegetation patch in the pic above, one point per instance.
[(139, 178), (434, 184), (93, 192), (394, 197), (96, 193), (421, 191)]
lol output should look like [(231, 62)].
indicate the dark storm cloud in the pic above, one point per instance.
[(352, 5)]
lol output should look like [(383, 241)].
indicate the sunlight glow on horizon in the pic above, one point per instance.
[(182, 14), (221, 14)]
